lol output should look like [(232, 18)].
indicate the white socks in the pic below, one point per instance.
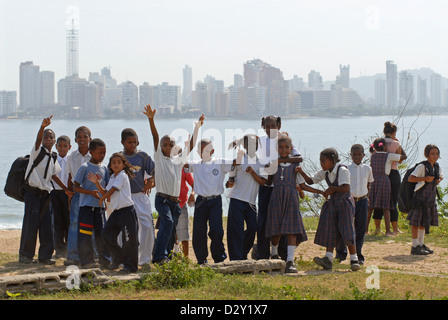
[(290, 256), (354, 257), (329, 255), (274, 250), (421, 236)]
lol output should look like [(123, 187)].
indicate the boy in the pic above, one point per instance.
[(209, 185), (91, 213), (141, 185), (60, 201), (38, 212), (168, 177), (74, 162), (360, 179)]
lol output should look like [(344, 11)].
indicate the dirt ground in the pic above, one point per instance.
[(381, 252)]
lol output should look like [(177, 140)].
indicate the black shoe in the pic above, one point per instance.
[(163, 261), (26, 260), (112, 266), (324, 262), (418, 250), (354, 265), (70, 262), (91, 265), (275, 256), (290, 268), (48, 262), (430, 251)]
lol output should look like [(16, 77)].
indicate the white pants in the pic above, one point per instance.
[(146, 233)]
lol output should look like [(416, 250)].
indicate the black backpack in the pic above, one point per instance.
[(406, 195), (16, 180)]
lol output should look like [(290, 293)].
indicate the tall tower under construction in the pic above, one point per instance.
[(72, 33)]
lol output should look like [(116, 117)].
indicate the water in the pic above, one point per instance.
[(310, 135)]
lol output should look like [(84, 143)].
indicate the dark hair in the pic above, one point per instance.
[(379, 144), (204, 142), (63, 138), (276, 119), (330, 153), (128, 168), (49, 130), (83, 128), (248, 139), (284, 138), (357, 146), (428, 149), (128, 132), (95, 143), (389, 128)]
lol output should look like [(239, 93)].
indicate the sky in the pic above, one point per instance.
[(152, 40)]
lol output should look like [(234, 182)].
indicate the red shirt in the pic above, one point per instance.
[(186, 178)]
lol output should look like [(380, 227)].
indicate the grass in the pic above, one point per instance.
[(182, 280)]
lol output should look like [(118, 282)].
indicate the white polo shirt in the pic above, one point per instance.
[(74, 161), (209, 176), (168, 172), (63, 175), (344, 175), (420, 172), (245, 187), (360, 176), (121, 198), (36, 178)]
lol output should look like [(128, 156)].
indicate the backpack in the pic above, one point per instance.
[(406, 194), (16, 180)]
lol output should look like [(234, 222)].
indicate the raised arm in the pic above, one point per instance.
[(195, 132), (149, 112), (45, 123)]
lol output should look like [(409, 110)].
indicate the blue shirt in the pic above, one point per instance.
[(102, 174), (144, 166)]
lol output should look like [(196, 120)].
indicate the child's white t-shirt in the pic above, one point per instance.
[(36, 178), (420, 172), (168, 172), (360, 176), (344, 175), (209, 176), (121, 198)]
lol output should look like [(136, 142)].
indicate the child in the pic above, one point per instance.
[(271, 125), (74, 161), (123, 217), (91, 214), (209, 185), (38, 211), (284, 217), (60, 201), (141, 185), (428, 175), (244, 183), (336, 222), (360, 179), (169, 165), (380, 192)]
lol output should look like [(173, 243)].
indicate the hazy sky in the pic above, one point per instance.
[(152, 40)]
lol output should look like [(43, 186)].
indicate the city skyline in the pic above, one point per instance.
[(108, 31)]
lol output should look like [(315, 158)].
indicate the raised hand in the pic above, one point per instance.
[(46, 121), (149, 112), (200, 122)]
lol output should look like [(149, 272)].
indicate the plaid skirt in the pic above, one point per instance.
[(416, 216), (284, 214), (336, 222), (380, 192)]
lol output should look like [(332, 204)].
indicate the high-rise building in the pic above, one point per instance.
[(129, 102), (238, 80), (436, 90), (406, 88), (380, 92), (296, 84), (8, 103), (46, 89), (315, 80), (187, 88), (145, 95), (29, 86), (422, 91), (344, 76), (391, 82), (200, 97), (72, 34)]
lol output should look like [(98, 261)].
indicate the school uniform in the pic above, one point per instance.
[(242, 209), (61, 213), (425, 193), (146, 234), (267, 152), (360, 176), (37, 218), (284, 216), (91, 217), (123, 219), (380, 190), (74, 161), (336, 221), (209, 185), (168, 178), (182, 228)]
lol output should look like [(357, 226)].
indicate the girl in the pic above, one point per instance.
[(336, 220), (380, 191), (427, 175), (283, 216), (121, 214), (392, 146)]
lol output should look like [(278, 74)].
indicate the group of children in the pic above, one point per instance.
[(108, 212)]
